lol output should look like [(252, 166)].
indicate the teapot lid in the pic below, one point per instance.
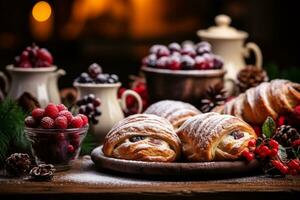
[(222, 30)]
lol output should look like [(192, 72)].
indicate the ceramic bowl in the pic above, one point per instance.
[(183, 85)]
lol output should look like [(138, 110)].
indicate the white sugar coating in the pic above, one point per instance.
[(101, 178), (172, 110)]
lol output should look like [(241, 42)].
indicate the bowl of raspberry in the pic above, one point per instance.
[(181, 72), (55, 135)]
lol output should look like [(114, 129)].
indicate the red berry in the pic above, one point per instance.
[(274, 144), (249, 156), (25, 64), (47, 122), (174, 63), (66, 114), (284, 170), (84, 118), (296, 143), (294, 164), (61, 107), (44, 55), (70, 148), (38, 113), (252, 143), (273, 152), (61, 122), (51, 111), (76, 122), (280, 166), (30, 122)]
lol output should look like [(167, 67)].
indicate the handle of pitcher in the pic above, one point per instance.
[(251, 46), (60, 72), (136, 96), (5, 80)]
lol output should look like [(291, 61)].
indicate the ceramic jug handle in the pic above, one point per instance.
[(5, 80), (250, 46), (60, 72), (136, 96)]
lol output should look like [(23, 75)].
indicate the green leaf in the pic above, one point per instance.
[(282, 154), (268, 128)]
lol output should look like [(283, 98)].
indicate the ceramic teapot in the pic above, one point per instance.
[(111, 107), (39, 82), (228, 43)]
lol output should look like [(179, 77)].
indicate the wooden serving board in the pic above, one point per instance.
[(196, 169)]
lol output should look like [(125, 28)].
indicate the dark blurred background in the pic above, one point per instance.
[(118, 33)]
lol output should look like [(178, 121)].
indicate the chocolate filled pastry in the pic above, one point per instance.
[(143, 137), (267, 99), (176, 112), (212, 136)]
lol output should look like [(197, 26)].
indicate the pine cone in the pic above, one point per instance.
[(251, 76), (28, 102), (286, 135), (18, 164), (42, 172), (214, 96)]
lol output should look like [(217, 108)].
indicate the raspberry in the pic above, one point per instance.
[(84, 118), (70, 148), (66, 114), (51, 111), (76, 122), (61, 107), (30, 122), (61, 122), (38, 113), (47, 122), (44, 55)]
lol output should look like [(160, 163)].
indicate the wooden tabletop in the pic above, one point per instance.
[(83, 181)]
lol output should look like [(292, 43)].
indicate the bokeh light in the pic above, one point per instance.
[(41, 11)]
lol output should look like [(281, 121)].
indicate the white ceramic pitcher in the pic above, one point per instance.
[(111, 107), (39, 82), (228, 43)]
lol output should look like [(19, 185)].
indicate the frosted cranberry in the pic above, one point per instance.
[(162, 62), (174, 47), (187, 62), (174, 63)]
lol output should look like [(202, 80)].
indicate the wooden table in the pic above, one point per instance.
[(84, 182)]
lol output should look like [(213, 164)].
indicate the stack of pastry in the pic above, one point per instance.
[(204, 137), (268, 99)]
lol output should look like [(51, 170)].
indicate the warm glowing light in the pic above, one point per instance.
[(41, 11)]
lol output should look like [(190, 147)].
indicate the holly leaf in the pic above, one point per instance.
[(268, 128), (282, 154)]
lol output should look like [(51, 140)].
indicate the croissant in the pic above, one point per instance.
[(212, 136), (267, 99), (174, 111), (143, 137)]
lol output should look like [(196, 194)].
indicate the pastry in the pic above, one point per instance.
[(174, 111), (267, 99), (212, 136), (143, 137)]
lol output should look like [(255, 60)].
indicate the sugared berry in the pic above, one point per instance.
[(187, 62), (37, 113), (61, 122), (101, 78), (162, 62), (174, 47), (84, 118), (66, 114), (76, 122), (61, 107), (163, 51), (30, 122), (174, 63), (47, 122), (51, 110), (94, 70), (114, 77)]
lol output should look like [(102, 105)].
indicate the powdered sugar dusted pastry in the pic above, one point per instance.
[(267, 99), (174, 111), (212, 136), (143, 137)]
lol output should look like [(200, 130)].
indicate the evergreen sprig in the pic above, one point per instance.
[(12, 138)]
